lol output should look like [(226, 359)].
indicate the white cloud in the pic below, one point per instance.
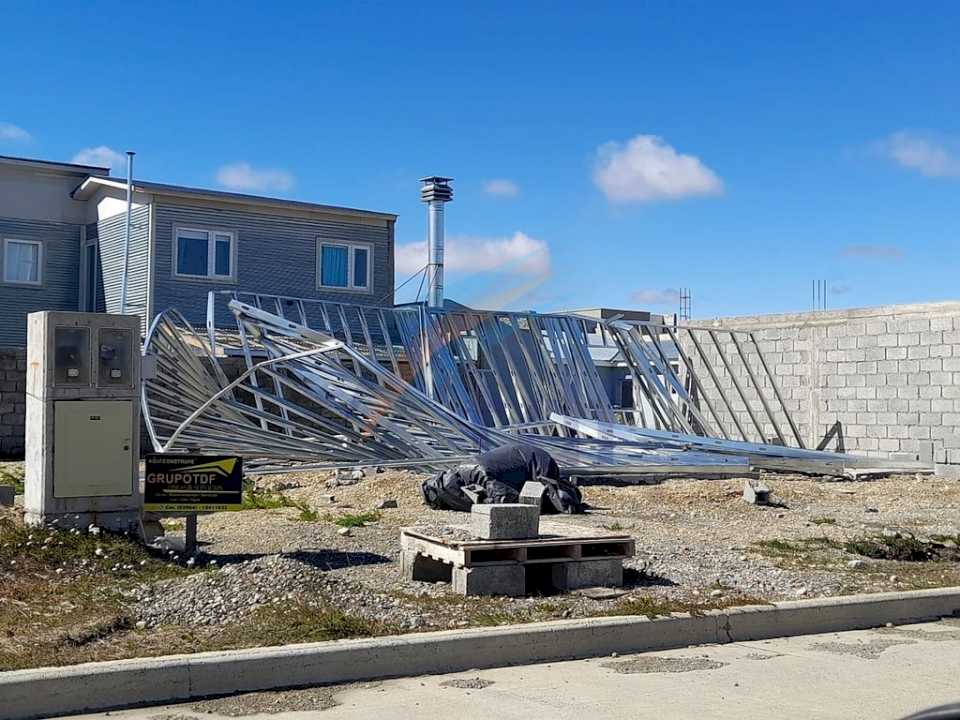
[(646, 169), (880, 252), (518, 254), (649, 296), (102, 156), (13, 133), (501, 188), (928, 155), (242, 176)]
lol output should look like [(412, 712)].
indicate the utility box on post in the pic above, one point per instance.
[(83, 420)]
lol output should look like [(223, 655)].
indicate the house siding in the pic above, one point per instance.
[(61, 278), (275, 255), (111, 234)]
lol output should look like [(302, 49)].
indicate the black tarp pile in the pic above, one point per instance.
[(498, 476)]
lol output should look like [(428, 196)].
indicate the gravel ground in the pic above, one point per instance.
[(696, 543)]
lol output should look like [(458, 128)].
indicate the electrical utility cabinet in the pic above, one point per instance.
[(83, 420)]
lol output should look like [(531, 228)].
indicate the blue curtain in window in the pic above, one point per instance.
[(333, 266), (360, 267)]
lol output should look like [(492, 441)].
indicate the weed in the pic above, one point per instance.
[(358, 520), (784, 548), (655, 607), (307, 513), (904, 548), (262, 500), (614, 526), (46, 550), (492, 618), (298, 623), (12, 474), (823, 521)]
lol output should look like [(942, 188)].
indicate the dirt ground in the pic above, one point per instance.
[(315, 568)]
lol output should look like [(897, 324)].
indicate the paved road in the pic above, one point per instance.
[(875, 675)]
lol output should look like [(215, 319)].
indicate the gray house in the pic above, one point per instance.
[(62, 234)]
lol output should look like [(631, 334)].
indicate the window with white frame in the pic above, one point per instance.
[(344, 266), (205, 253), (23, 261)]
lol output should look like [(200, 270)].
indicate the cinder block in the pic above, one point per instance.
[(7, 493), (507, 521), (415, 566), (532, 493), (509, 580), (587, 573)]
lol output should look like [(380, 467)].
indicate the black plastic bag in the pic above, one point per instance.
[(498, 476)]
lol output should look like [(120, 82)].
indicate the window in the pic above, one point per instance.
[(344, 266), (205, 253), (22, 261)]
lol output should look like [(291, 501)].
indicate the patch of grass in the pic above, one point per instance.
[(262, 500), (614, 527), (307, 513), (823, 521), (786, 548), (358, 520), (493, 618), (62, 592), (653, 607), (648, 606), (298, 623), (903, 548), (12, 474), (28, 549)]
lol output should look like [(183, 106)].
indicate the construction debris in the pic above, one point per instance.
[(505, 521), (756, 493), (431, 389)]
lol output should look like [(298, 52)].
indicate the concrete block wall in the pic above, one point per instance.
[(750, 414), (13, 401), (890, 375)]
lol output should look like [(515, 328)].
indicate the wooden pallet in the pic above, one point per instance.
[(558, 542)]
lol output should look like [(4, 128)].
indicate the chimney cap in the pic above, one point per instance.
[(436, 188)]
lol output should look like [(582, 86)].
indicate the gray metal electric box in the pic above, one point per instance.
[(83, 420)]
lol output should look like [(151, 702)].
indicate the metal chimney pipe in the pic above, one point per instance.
[(126, 241), (436, 192)]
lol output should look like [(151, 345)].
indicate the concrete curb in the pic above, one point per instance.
[(46, 692)]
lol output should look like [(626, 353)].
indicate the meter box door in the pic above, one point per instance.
[(93, 448)]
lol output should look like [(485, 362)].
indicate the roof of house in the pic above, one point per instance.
[(89, 186), (59, 167)]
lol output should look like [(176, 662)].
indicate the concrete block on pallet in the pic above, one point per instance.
[(508, 521), (507, 580), (532, 493), (607, 572)]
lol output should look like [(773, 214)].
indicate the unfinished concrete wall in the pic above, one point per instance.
[(890, 375), (13, 401)]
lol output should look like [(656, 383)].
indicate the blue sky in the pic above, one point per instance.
[(603, 154)]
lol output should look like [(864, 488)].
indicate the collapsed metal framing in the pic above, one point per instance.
[(340, 408), (334, 385), (502, 369)]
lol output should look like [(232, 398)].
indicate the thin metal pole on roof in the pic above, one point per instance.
[(126, 241)]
